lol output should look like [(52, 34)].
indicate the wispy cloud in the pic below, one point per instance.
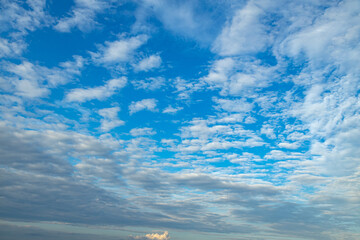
[(119, 51), (82, 16), (99, 93)]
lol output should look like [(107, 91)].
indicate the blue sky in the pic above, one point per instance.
[(154, 119)]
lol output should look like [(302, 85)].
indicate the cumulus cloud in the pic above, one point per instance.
[(268, 130), (235, 76), (33, 81), (110, 118), (147, 64), (154, 236), (145, 104), (99, 93), (119, 51), (157, 236), (30, 89), (288, 145)]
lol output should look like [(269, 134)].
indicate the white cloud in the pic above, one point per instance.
[(17, 19), (135, 132), (30, 89), (11, 48), (151, 83), (280, 155), (334, 38), (119, 51), (172, 110), (147, 64), (220, 71), (100, 93), (288, 145), (110, 118), (234, 76), (180, 17), (82, 16), (145, 104), (32, 81), (244, 34), (233, 105), (207, 135), (16, 16), (268, 130), (185, 88)]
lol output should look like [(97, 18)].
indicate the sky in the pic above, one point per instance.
[(181, 120)]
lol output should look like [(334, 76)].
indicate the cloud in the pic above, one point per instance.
[(288, 145), (154, 236), (17, 19), (280, 155), (157, 236), (119, 51), (99, 93), (147, 64), (30, 89), (239, 77), (82, 16), (145, 104), (268, 131), (185, 88), (11, 48), (235, 105), (151, 83), (245, 34), (172, 110), (211, 135), (34, 81), (23, 17), (135, 132), (185, 18), (110, 118), (333, 35)]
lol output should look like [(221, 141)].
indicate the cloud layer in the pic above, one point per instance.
[(195, 119)]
